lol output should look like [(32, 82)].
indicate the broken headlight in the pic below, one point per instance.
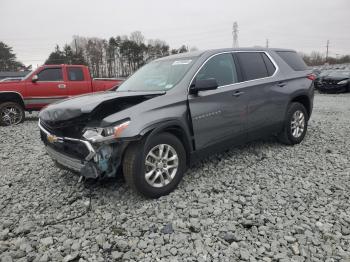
[(100, 134)]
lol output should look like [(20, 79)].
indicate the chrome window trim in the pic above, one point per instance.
[(231, 52)]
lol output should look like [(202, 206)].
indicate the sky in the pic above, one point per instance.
[(34, 27)]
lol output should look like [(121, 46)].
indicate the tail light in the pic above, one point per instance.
[(312, 77)]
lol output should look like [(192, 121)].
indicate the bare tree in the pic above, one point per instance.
[(120, 55), (137, 37)]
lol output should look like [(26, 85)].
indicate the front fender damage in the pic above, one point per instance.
[(105, 162)]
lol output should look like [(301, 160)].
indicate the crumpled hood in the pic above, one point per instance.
[(81, 105)]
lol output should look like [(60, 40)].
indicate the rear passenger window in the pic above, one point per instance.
[(221, 67), (269, 65), (293, 60), (75, 74), (253, 65)]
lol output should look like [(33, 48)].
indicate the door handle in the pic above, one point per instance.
[(237, 93), (281, 84), (61, 86)]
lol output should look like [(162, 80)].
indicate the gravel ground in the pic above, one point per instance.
[(259, 202)]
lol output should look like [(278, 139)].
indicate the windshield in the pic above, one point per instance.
[(158, 75)]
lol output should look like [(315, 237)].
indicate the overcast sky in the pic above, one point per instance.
[(34, 27)]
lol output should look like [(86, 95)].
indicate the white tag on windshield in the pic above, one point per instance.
[(182, 62)]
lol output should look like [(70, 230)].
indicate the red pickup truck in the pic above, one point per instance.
[(47, 84)]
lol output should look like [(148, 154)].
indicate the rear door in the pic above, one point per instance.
[(77, 81), (218, 115), (264, 91), (50, 87)]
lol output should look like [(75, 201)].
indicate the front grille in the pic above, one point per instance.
[(72, 128), (75, 149), (330, 82), (48, 128)]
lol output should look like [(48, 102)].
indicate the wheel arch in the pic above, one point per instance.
[(305, 101), (10, 96), (175, 128)]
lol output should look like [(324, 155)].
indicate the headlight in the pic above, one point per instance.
[(104, 134), (115, 130), (343, 82)]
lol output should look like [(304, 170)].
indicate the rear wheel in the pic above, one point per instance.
[(11, 113), (155, 166), (295, 125)]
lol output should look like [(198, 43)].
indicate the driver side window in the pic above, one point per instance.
[(50, 74), (221, 67)]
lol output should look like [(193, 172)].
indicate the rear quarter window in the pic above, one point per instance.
[(75, 74), (293, 60)]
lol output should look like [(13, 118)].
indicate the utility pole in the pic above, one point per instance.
[(235, 35), (76, 46), (267, 43), (327, 46)]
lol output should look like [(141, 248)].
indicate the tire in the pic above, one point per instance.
[(290, 134), (11, 113), (135, 168)]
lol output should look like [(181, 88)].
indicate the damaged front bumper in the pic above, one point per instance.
[(81, 156)]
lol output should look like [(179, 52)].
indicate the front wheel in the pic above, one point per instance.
[(295, 125), (11, 113), (154, 166)]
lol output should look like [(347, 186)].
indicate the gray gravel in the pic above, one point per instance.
[(260, 202)]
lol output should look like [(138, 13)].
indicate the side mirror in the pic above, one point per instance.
[(35, 78), (204, 85)]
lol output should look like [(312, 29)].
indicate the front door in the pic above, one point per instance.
[(218, 115), (50, 87)]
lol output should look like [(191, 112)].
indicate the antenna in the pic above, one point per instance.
[(235, 35)]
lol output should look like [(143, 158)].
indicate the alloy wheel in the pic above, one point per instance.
[(298, 124), (161, 165), (11, 115)]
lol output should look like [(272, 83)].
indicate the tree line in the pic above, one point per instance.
[(118, 56), (317, 59), (8, 59)]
